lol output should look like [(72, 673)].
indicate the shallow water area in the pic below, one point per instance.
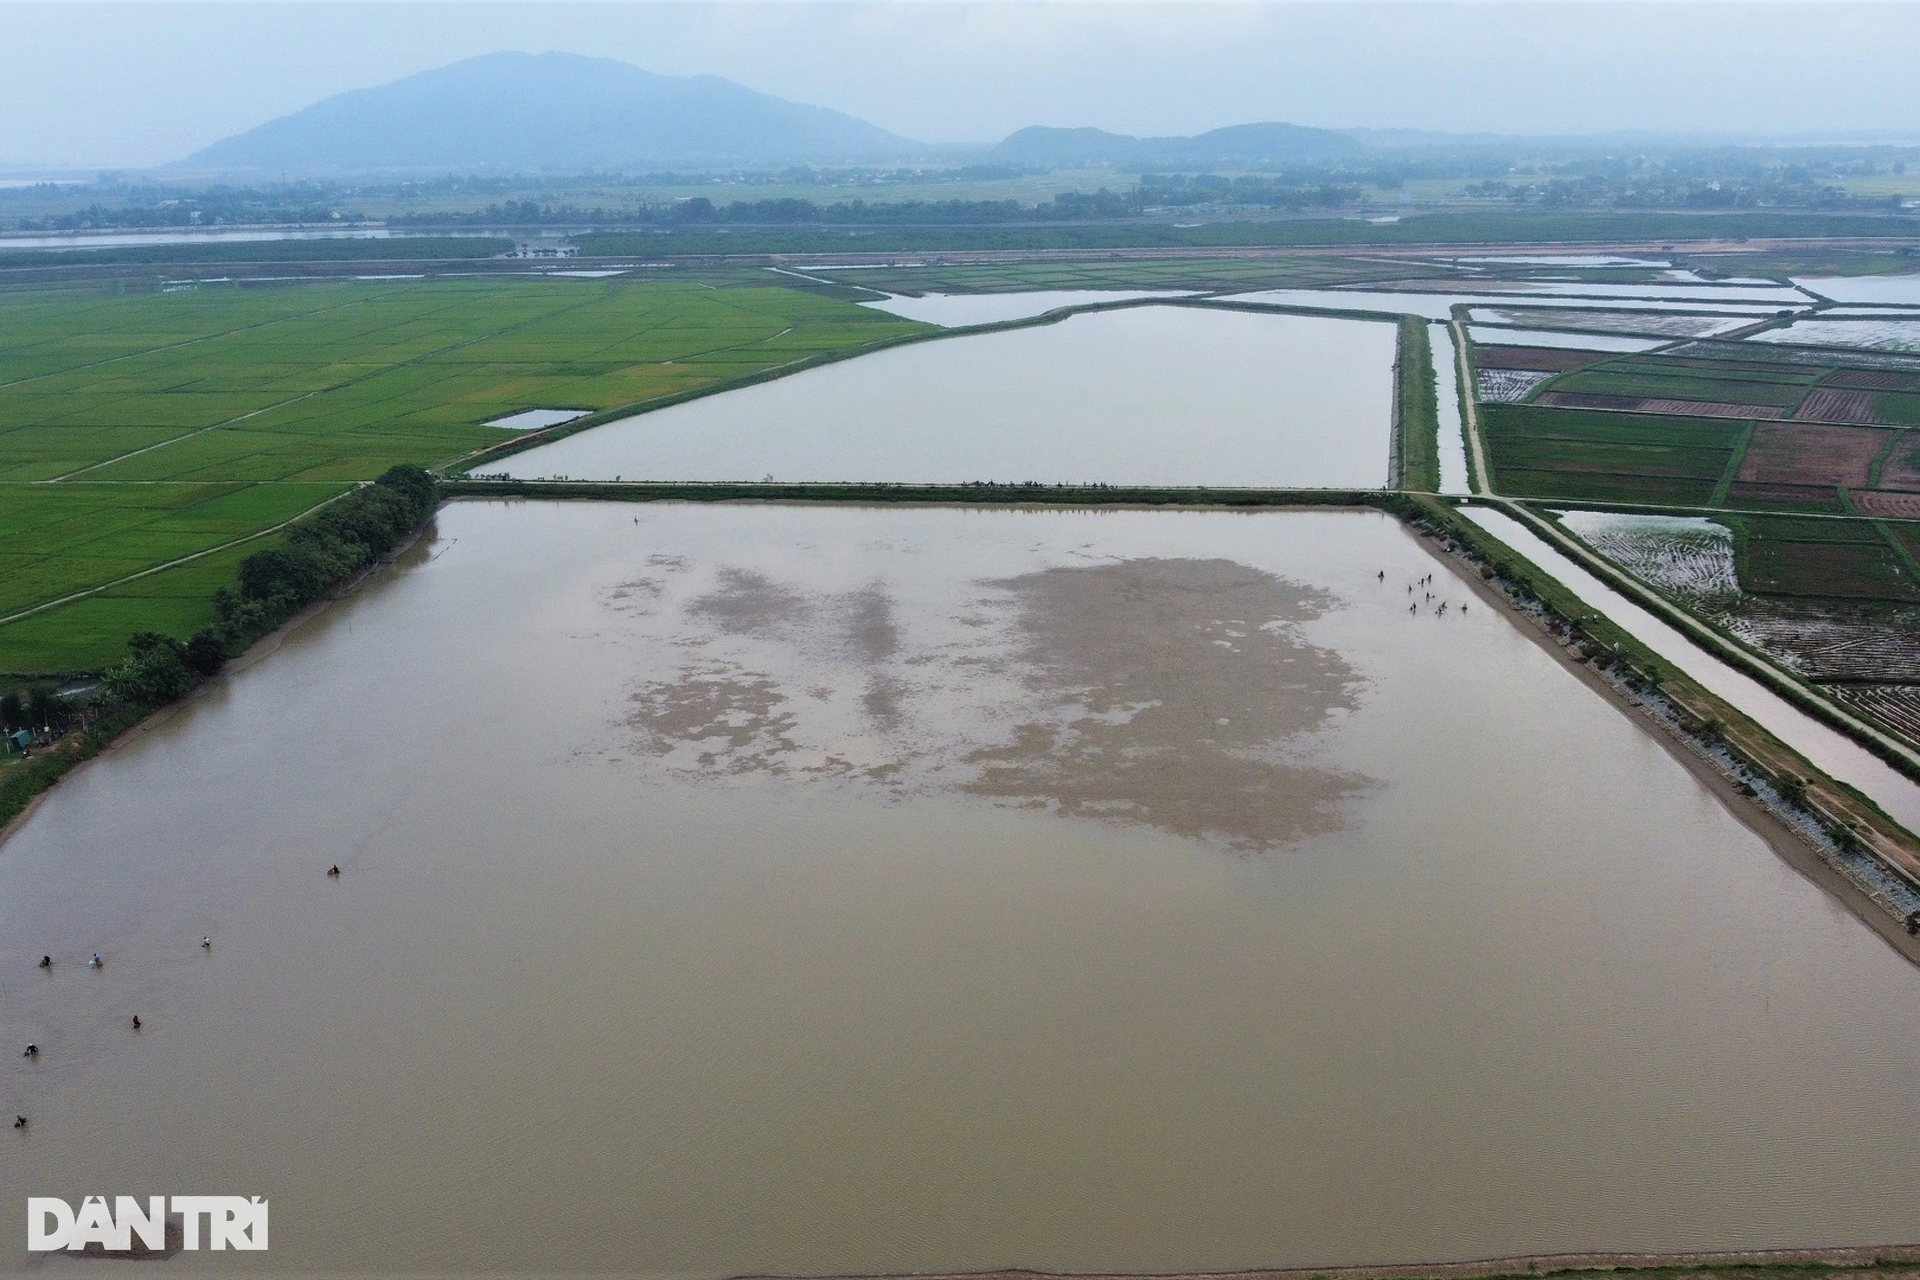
[(741, 889), (1492, 335), (1437, 303), (532, 419), (1903, 290), (957, 310), (1142, 396), (1895, 334)]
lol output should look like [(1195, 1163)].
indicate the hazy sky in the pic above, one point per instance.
[(89, 84)]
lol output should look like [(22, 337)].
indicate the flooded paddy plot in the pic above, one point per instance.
[(1868, 335), (1898, 290), (890, 890), (957, 310), (1562, 260), (1686, 556), (1144, 396), (1508, 386), (1653, 324), (1491, 336), (1763, 295)]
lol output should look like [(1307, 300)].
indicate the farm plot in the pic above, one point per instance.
[(1775, 355), (1852, 560), (1824, 647), (1901, 470), (1669, 324), (1585, 455), (1885, 505), (139, 430), (1689, 557), (1703, 388), (1543, 359), (1507, 386), (1867, 335), (1507, 375), (1897, 706), (1801, 465)]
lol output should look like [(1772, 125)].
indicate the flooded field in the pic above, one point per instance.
[(1902, 290), (1487, 335), (1664, 324), (954, 310), (1144, 396), (1869, 335), (753, 888)]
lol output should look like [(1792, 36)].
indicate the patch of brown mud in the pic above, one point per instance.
[(747, 603), (1169, 691), (1174, 693), (731, 721)]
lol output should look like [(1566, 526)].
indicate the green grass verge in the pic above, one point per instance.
[(1416, 408)]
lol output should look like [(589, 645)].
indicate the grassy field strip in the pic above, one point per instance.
[(1712, 640), (1415, 442), (1719, 496), (1879, 462), (170, 564)]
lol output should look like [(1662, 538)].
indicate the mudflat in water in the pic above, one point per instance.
[(819, 889), (1144, 396)]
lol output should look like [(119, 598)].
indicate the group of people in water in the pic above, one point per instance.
[(1421, 585), (96, 962)]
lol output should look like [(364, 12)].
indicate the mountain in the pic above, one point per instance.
[(548, 111), (1240, 144)]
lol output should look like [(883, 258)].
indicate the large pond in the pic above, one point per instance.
[(1146, 396), (756, 888)]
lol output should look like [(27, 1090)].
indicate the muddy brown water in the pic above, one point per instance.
[(820, 889), (1151, 395)]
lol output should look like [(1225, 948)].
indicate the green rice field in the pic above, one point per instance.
[(139, 430)]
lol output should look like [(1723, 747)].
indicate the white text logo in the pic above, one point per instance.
[(233, 1222)]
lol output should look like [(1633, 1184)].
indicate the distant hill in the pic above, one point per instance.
[(1240, 144), (548, 111)]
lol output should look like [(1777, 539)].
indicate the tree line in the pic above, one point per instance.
[(318, 555)]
